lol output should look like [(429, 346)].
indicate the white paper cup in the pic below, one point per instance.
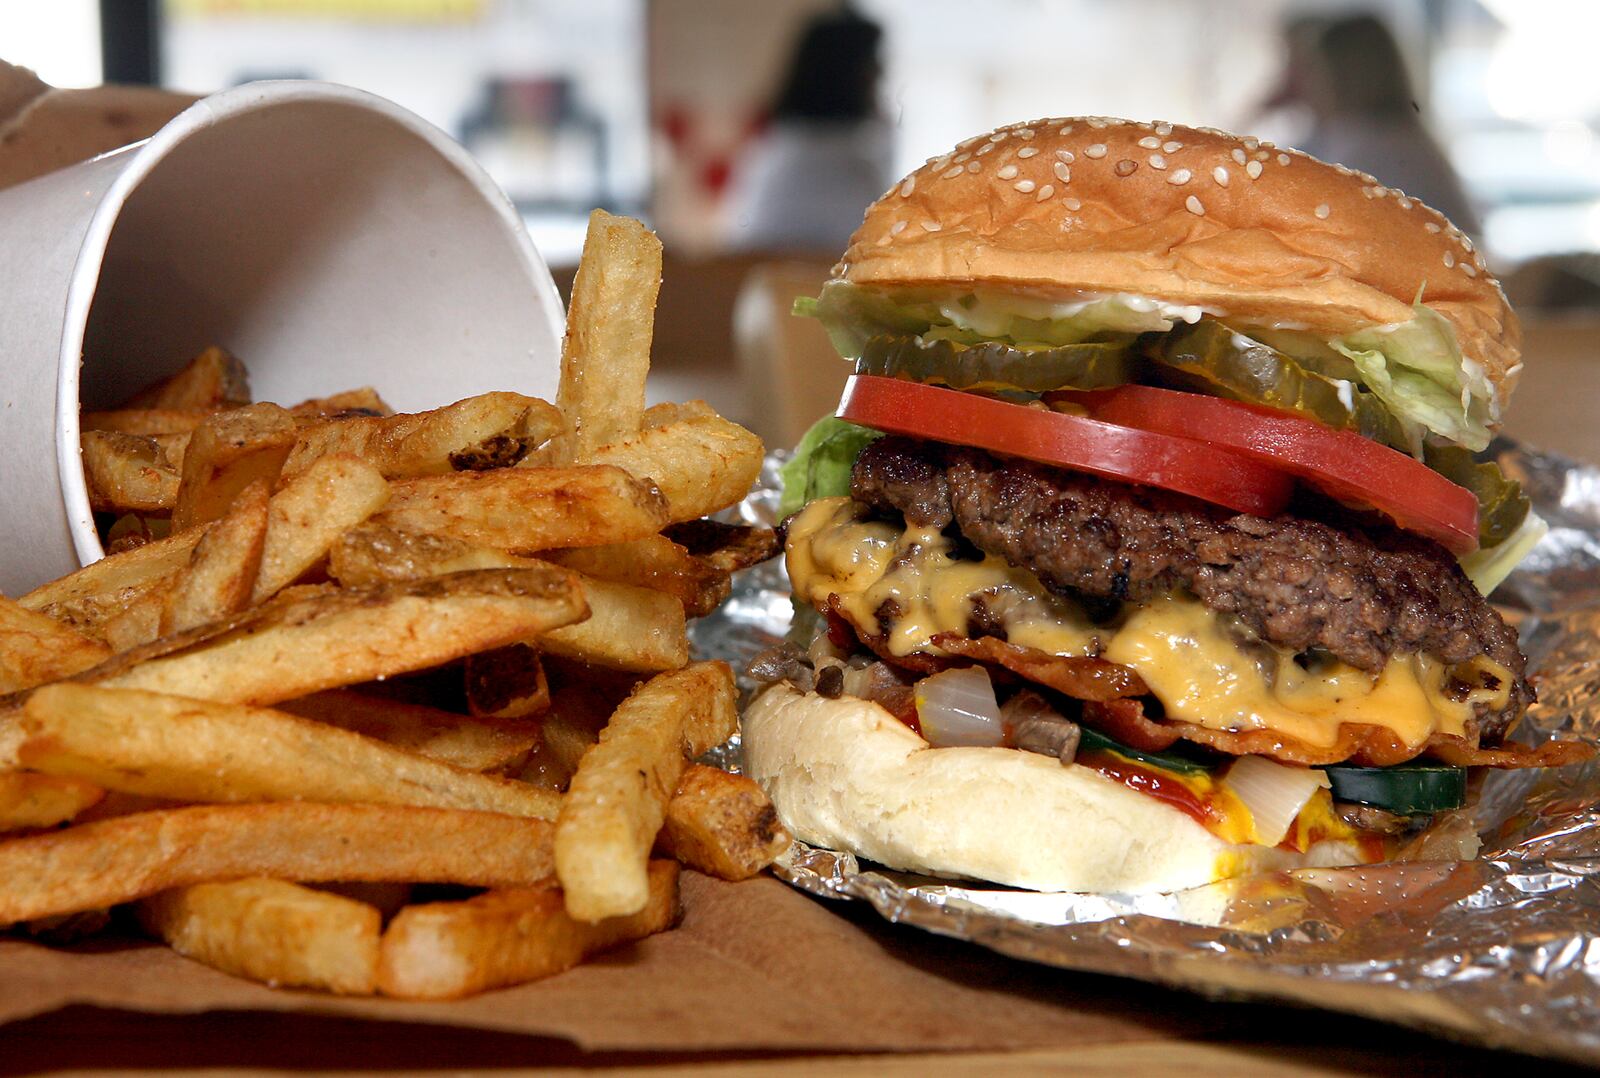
[(327, 237)]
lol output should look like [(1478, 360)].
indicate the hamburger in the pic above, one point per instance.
[(1148, 546)]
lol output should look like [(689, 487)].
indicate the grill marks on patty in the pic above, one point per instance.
[(1361, 596)]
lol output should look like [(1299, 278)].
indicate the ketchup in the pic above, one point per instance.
[(1161, 787)]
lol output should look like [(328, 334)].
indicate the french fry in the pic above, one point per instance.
[(529, 509), (488, 431), (191, 750), (628, 628), (271, 931), (148, 422), (127, 473), (299, 644), (211, 380), (227, 453), (101, 864), (701, 465), (375, 552), (29, 800), (653, 562), (446, 950), (88, 596), (507, 683), (727, 548), (610, 323), (309, 514), (616, 802), (222, 569), (579, 708), (721, 824), (668, 412), (36, 648), (362, 400), (463, 741)]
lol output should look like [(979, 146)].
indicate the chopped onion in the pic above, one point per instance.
[(1273, 792), (958, 707)]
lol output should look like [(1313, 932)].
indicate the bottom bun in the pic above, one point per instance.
[(845, 774)]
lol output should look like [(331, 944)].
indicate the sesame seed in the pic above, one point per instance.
[(952, 172), (1025, 132), (973, 166), (1283, 159), (1431, 227), (1262, 155), (897, 228), (1026, 152), (1238, 155), (1469, 269), (1380, 192), (1251, 142), (1158, 162), (1192, 204), (1007, 171), (936, 163), (909, 186), (1044, 192), (1024, 186), (1063, 173), (1171, 147), (1253, 169), (1097, 150), (1163, 129), (1126, 167), (1073, 204), (1405, 203), (999, 136), (1096, 122), (1150, 142), (1321, 212), (963, 158), (1220, 174), (1179, 178), (1465, 242), (1067, 130), (985, 148), (931, 226), (1449, 259), (1066, 155)]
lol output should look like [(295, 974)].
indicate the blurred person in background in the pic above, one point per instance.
[(827, 154), (1349, 74)]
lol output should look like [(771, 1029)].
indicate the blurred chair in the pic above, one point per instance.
[(792, 373)]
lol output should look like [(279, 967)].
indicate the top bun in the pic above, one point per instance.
[(1188, 215)]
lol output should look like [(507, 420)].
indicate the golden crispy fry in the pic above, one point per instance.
[(29, 800), (727, 548), (446, 950), (460, 740), (376, 552), (211, 380), (149, 422), (88, 596), (653, 562), (36, 648), (364, 399), (191, 750), (271, 931), (127, 473), (222, 569), (579, 708), (300, 644), (310, 513), (507, 683), (616, 802), (610, 322), (668, 412), (721, 824), (131, 857), (701, 464), (227, 453), (628, 628), (528, 509), (488, 431)]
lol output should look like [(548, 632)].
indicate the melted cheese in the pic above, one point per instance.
[(1181, 648)]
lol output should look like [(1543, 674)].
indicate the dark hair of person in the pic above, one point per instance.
[(1366, 72), (833, 73)]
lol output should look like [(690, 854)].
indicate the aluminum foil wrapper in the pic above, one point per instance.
[(1503, 950)]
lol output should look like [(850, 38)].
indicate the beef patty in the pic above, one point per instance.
[(1361, 595)]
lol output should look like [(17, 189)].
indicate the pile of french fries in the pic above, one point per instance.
[(338, 657)]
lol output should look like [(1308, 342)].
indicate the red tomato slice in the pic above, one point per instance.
[(1085, 445), (1340, 463)]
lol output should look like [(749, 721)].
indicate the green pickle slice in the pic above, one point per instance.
[(1405, 790), (996, 366), (1502, 506)]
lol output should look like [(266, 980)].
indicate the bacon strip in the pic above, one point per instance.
[(1075, 676)]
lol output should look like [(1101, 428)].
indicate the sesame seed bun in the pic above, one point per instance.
[(1188, 215)]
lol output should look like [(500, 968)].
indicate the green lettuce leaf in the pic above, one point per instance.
[(1486, 567), (820, 467)]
